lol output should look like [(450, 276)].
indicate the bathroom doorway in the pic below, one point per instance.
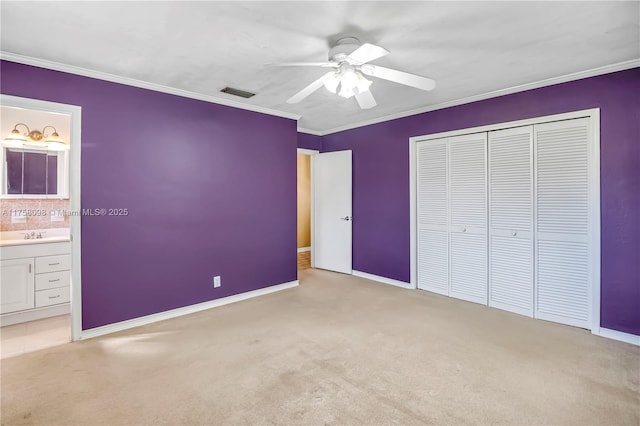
[(304, 161), (39, 232)]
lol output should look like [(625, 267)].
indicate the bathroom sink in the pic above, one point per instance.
[(15, 238), (22, 241)]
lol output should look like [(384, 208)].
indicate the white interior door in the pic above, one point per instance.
[(468, 217), (433, 216), (332, 217), (511, 220), (563, 269)]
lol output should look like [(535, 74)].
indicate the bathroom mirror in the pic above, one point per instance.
[(34, 171)]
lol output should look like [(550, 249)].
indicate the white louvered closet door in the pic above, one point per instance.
[(432, 203), (511, 219), (468, 217), (562, 222)]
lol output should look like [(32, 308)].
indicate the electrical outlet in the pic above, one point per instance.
[(216, 281)]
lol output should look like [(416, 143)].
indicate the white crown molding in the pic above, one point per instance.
[(56, 66), (161, 316), (27, 60), (383, 280), (620, 66), (309, 131)]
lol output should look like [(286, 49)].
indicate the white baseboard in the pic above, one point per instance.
[(304, 249), (383, 280), (34, 314), (160, 316), (618, 335)]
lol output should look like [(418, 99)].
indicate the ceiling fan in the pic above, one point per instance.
[(350, 60)]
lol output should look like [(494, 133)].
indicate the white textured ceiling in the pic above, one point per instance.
[(469, 48)]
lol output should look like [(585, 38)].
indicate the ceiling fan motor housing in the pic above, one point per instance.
[(343, 48)]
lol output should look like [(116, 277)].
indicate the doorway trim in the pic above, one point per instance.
[(75, 112), (594, 192), (310, 153)]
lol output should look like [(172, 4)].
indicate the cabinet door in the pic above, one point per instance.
[(511, 220), (432, 204), (562, 222), (468, 217), (16, 285)]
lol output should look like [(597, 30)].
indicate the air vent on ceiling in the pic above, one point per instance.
[(237, 92)]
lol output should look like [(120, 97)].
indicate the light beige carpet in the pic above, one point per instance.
[(336, 350)]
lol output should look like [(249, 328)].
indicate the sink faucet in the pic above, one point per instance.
[(39, 235)]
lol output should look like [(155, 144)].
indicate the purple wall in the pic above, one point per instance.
[(211, 190), (309, 141), (381, 179)]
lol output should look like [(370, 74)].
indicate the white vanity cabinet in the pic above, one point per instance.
[(53, 277), (35, 279), (16, 285)]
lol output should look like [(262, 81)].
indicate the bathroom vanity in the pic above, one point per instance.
[(35, 263), (35, 276)]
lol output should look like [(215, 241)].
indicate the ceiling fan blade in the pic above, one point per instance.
[(366, 100), (366, 53), (401, 77), (305, 64), (309, 89)]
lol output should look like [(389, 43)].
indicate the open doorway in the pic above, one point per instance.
[(304, 159), (39, 188)]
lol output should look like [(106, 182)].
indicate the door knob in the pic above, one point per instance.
[(347, 218), (464, 229), (514, 233)]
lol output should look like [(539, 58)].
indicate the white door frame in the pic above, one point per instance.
[(74, 194), (594, 189), (310, 153)]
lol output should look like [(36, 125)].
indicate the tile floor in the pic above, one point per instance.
[(32, 336)]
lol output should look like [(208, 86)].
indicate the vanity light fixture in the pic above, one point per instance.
[(34, 135)]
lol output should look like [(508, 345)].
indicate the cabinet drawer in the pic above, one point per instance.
[(53, 280), (52, 296), (60, 262)]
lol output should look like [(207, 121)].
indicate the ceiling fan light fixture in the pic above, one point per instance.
[(350, 62), (331, 83), (349, 78), (346, 92), (352, 83), (348, 82), (363, 84)]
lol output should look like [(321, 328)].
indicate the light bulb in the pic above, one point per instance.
[(15, 135), (331, 83), (363, 84), (348, 82), (346, 91)]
